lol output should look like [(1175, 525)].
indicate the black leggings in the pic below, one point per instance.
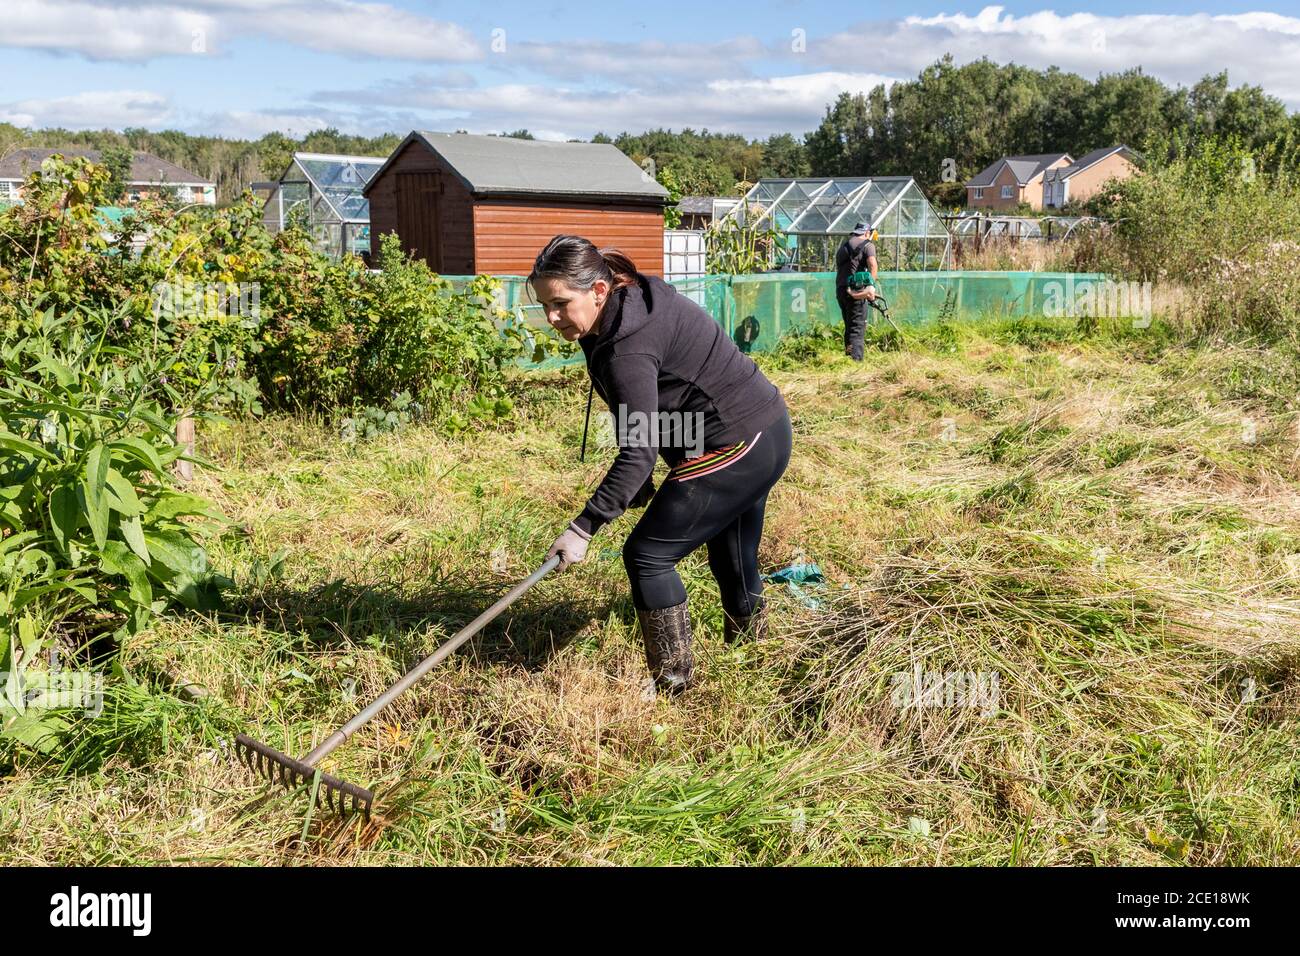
[(724, 510)]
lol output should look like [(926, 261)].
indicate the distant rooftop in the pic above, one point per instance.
[(146, 168), (1084, 161), (1024, 168)]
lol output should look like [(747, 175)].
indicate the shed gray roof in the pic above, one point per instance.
[(146, 168), (504, 165), (1083, 162), (696, 205), (1024, 168)]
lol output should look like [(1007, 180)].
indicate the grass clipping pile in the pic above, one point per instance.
[(1028, 691)]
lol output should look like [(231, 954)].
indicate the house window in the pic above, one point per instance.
[(1006, 192), (979, 192), (8, 190)]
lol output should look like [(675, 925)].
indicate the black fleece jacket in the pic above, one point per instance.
[(657, 351)]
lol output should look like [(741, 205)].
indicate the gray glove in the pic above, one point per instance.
[(570, 546)]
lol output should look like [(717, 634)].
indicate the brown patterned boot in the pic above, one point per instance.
[(747, 626), (667, 636)]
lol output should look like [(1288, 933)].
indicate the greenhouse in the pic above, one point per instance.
[(813, 215), (322, 193)]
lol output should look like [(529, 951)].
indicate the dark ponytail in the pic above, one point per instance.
[(620, 266), (577, 263)]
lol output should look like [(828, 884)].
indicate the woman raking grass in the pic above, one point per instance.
[(679, 389)]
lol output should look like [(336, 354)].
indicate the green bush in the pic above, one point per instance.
[(1221, 221), (436, 343), (317, 318), (373, 421), (315, 334), (58, 248), (94, 537)]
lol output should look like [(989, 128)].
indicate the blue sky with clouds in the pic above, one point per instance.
[(562, 69)]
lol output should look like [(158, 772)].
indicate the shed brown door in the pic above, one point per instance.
[(418, 220)]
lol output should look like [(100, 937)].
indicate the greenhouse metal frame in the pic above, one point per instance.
[(322, 193), (814, 214), (979, 225)]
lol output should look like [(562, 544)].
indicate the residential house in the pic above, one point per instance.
[(1012, 180), (1081, 179), (149, 175)]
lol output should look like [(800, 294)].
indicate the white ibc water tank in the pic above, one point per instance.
[(683, 253)]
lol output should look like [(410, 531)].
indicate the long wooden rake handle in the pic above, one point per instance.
[(281, 768), (433, 660)]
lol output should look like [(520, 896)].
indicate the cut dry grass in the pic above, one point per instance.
[(1088, 548)]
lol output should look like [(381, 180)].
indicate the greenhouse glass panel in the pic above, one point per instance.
[(815, 214), (869, 204), (768, 189), (341, 182), (801, 193), (830, 203), (783, 213), (322, 193), (816, 219)]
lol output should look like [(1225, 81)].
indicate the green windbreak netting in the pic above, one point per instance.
[(757, 310)]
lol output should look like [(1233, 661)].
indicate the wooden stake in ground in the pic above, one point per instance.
[(185, 437)]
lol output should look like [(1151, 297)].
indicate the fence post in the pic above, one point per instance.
[(185, 438)]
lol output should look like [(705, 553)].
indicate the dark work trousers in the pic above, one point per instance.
[(854, 312), (723, 510)]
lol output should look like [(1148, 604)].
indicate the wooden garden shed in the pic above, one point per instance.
[(470, 204)]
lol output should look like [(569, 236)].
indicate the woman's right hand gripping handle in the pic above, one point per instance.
[(571, 546)]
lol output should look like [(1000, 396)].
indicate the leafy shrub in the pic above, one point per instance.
[(1222, 221), (373, 421), (57, 248), (317, 319), (315, 333), (92, 536), (439, 344)]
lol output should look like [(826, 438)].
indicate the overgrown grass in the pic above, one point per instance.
[(1106, 521)]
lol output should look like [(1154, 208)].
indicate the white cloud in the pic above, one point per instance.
[(118, 109), (1257, 48), (609, 84), (652, 60), (752, 106), (99, 32), (141, 31), (368, 29), (98, 109)]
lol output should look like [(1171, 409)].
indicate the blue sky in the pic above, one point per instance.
[(562, 69)]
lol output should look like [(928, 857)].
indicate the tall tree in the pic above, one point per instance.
[(118, 159)]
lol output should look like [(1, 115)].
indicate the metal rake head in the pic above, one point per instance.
[(285, 770)]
